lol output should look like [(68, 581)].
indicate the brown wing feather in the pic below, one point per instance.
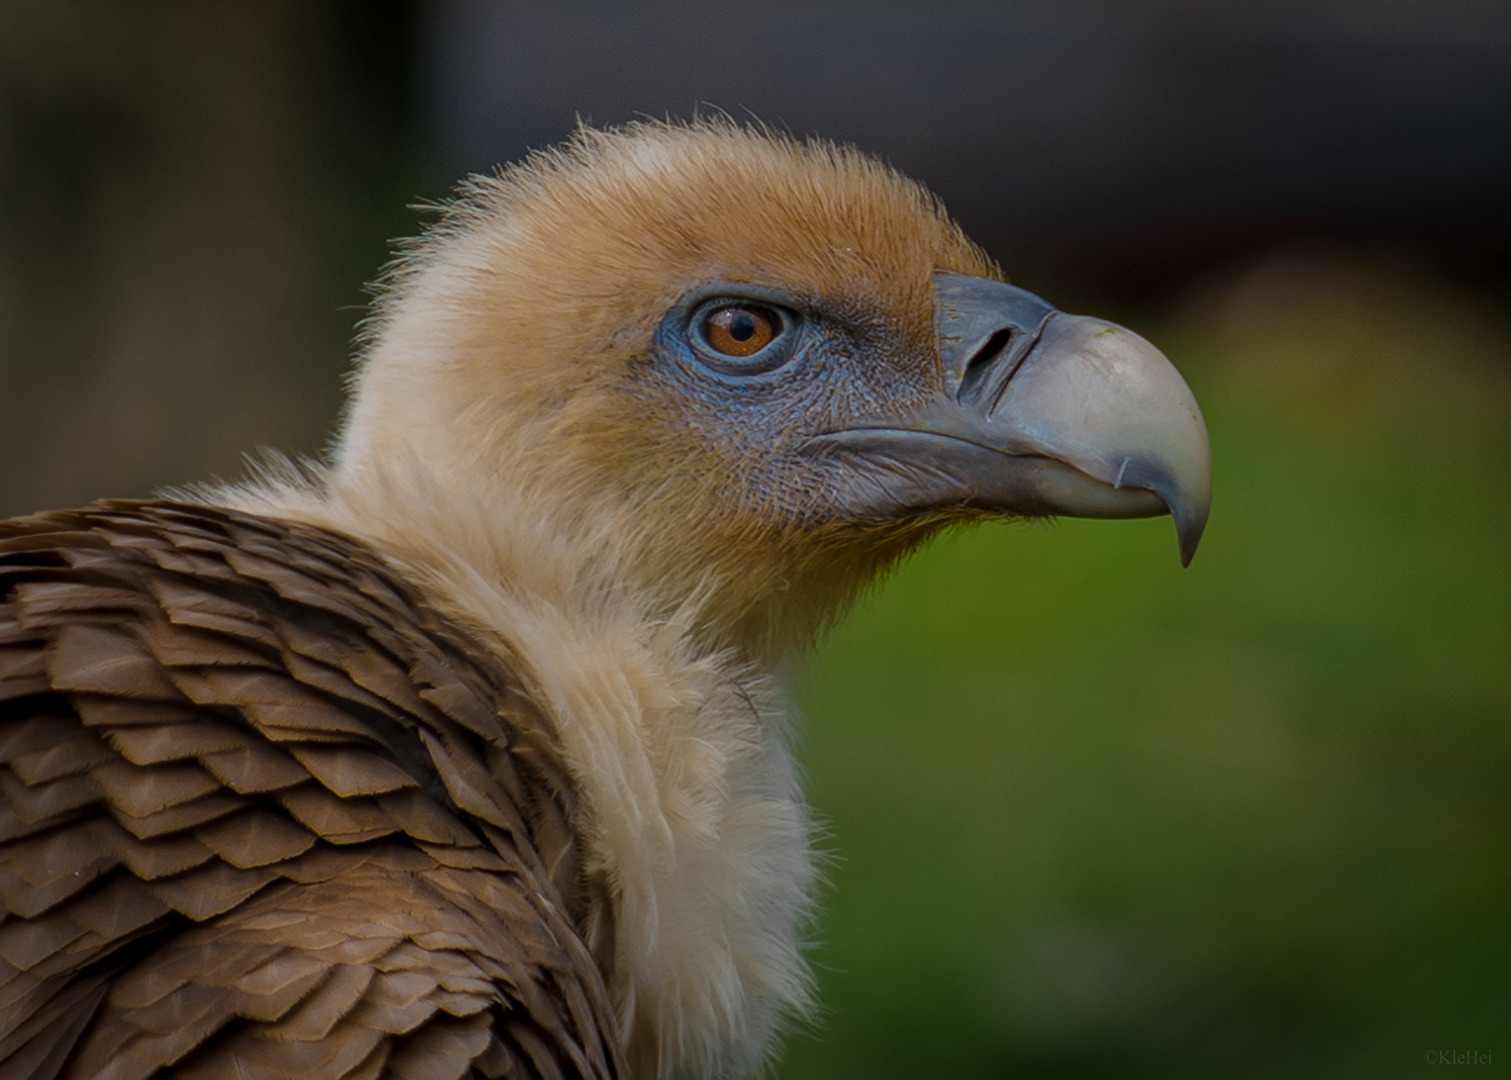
[(260, 804)]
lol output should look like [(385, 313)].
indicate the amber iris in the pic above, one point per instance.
[(740, 331)]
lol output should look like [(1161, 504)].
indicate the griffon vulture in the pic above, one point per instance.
[(464, 753)]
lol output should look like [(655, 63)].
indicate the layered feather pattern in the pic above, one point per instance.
[(265, 813)]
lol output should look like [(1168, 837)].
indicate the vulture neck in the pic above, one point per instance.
[(671, 721)]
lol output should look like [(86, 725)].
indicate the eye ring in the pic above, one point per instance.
[(741, 337)]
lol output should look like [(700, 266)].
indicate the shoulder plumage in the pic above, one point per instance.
[(254, 790)]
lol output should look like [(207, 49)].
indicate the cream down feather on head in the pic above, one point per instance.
[(508, 364)]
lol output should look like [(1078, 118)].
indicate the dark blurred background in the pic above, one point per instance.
[(1091, 816)]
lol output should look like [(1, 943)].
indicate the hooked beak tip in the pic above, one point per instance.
[(1189, 531), (1185, 492)]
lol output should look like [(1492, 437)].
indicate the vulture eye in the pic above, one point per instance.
[(737, 337), (740, 331)]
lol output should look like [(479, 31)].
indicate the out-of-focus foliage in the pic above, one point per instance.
[(1096, 816), (190, 198)]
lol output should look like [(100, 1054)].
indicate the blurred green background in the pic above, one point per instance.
[(1088, 814), (1094, 815)]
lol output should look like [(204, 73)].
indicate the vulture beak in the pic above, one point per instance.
[(1039, 413)]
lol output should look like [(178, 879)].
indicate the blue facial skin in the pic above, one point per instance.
[(830, 366)]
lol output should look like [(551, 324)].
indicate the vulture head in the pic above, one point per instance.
[(737, 370), (642, 413)]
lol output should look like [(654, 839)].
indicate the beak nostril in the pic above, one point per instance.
[(973, 379)]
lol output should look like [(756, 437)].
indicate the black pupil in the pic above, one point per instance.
[(742, 326)]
